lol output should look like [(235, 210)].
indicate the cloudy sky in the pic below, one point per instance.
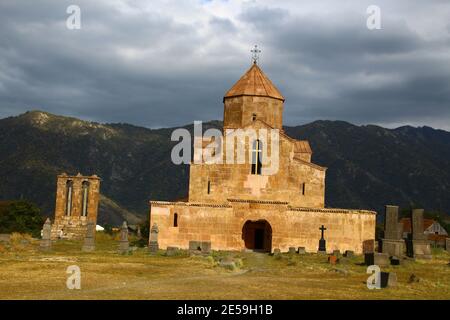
[(167, 63)]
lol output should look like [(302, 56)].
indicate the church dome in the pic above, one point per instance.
[(254, 83)]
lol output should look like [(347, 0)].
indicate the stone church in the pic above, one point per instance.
[(239, 206)]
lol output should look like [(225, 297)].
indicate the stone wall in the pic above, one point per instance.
[(291, 227), (239, 111), (73, 225), (236, 181)]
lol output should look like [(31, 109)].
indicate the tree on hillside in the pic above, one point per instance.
[(21, 216)]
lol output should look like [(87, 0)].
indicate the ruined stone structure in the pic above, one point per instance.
[(250, 205), (76, 203)]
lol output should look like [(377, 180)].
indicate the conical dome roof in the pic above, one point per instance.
[(254, 83)]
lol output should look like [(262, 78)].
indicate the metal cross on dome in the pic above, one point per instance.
[(255, 54)]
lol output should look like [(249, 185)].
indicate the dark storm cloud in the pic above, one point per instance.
[(164, 64)]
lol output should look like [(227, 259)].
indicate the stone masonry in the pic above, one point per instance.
[(77, 200), (235, 207)]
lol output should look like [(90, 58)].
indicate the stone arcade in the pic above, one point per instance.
[(235, 206)]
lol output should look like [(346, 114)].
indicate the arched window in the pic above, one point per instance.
[(69, 192), (303, 187), (254, 117), (175, 220), (85, 189), (209, 187), (256, 157)]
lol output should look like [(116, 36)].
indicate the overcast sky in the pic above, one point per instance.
[(167, 63)]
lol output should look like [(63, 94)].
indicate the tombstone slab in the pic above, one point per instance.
[(393, 247), (200, 247), (46, 242), (333, 259), (349, 254), (301, 250), (420, 245), (292, 250), (89, 239), (337, 253), (153, 245), (124, 245), (447, 244), (381, 259), (388, 279), (172, 251)]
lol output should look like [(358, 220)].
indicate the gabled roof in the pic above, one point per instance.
[(254, 83)]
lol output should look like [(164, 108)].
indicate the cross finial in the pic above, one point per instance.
[(255, 54)]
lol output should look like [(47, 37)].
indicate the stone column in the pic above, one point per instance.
[(46, 242), (124, 244), (89, 240), (153, 242)]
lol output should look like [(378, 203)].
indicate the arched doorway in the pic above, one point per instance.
[(257, 235)]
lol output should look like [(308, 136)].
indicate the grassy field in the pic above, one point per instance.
[(27, 273)]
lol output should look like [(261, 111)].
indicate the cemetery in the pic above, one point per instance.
[(112, 266)]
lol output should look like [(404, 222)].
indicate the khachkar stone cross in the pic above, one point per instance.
[(46, 242), (89, 239), (153, 244), (124, 244), (255, 54), (322, 242)]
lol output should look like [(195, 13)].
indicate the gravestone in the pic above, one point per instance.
[(420, 244), (447, 244), (172, 251), (276, 252), (333, 259), (322, 242), (292, 250), (388, 279), (349, 254), (392, 243), (139, 233), (89, 239), (381, 259), (337, 253), (369, 246), (46, 242), (153, 245), (301, 250), (200, 247), (124, 245), (395, 261), (5, 237), (376, 258)]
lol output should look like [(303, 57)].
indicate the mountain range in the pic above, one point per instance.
[(368, 166)]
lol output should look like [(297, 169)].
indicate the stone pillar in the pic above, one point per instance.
[(139, 233), (421, 246), (46, 242), (124, 244), (89, 240), (153, 242), (392, 244)]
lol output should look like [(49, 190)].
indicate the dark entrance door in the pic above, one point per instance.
[(257, 235), (259, 239)]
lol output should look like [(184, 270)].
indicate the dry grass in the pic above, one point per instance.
[(27, 273)]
